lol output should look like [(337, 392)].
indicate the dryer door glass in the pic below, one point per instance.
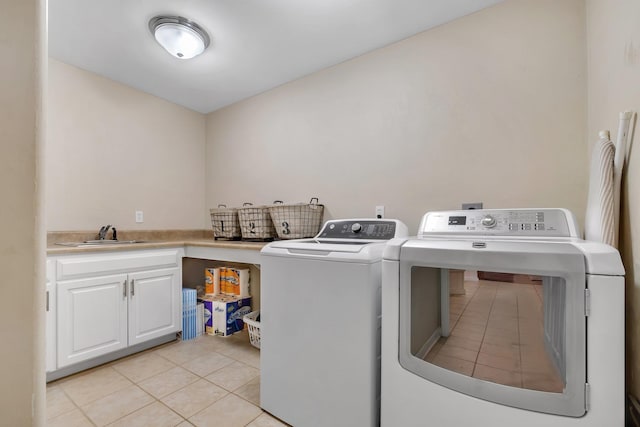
[(503, 328), (510, 334)]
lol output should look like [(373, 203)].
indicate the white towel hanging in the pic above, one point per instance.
[(618, 166), (600, 220)]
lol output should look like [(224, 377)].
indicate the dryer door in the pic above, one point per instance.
[(500, 321)]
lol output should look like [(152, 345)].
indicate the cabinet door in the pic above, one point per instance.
[(92, 317), (50, 319), (155, 304)]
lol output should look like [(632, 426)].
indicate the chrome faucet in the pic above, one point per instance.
[(103, 231)]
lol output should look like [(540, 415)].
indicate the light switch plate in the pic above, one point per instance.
[(139, 216)]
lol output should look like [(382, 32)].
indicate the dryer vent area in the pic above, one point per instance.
[(504, 328)]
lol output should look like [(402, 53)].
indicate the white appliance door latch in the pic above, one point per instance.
[(587, 302), (587, 397)]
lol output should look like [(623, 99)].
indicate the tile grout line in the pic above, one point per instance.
[(130, 382), (217, 385), (129, 413), (158, 399), (257, 416), (110, 394), (126, 415), (95, 400), (73, 402), (475, 363)]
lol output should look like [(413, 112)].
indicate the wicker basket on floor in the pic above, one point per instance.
[(255, 222), (297, 221), (225, 224)]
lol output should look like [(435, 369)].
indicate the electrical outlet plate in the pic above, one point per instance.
[(379, 211), (139, 216), (475, 205)]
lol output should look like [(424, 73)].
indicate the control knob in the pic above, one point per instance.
[(488, 221), (356, 227)]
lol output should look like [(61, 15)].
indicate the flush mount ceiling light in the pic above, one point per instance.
[(180, 37)]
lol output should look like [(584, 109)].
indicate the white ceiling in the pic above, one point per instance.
[(256, 44)]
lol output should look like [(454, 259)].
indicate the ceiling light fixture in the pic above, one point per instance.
[(179, 36)]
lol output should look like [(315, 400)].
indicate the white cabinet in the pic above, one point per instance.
[(92, 317), (155, 299), (50, 318), (107, 302)]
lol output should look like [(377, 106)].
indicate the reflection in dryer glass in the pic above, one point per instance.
[(503, 328)]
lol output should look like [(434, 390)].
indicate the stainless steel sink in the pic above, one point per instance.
[(101, 243)]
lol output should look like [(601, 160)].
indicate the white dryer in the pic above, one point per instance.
[(502, 318), (320, 324)]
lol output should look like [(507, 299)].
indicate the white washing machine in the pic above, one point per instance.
[(532, 336), (320, 324)]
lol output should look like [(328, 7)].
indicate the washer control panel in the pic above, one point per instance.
[(501, 222), (359, 229)]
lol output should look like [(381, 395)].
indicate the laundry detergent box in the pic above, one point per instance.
[(224, 313)]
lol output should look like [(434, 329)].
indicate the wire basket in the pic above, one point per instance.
[(251, 320), (255, 222), (297, 221), (225, 224)]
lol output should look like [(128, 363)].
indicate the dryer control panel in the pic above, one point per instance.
[(361, 229), (500, 222)]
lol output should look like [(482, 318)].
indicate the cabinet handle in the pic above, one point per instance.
[(133, 287), (47, 300), (124, 289)]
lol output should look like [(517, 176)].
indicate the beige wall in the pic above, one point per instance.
[(114, 150), (488, 108), (613, 28), (21, 263)]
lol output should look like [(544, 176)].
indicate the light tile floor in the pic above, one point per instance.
[(208, 381), (497, 335)]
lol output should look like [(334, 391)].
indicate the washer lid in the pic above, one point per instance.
[(337, 242), (324, 245), (346, 240)]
